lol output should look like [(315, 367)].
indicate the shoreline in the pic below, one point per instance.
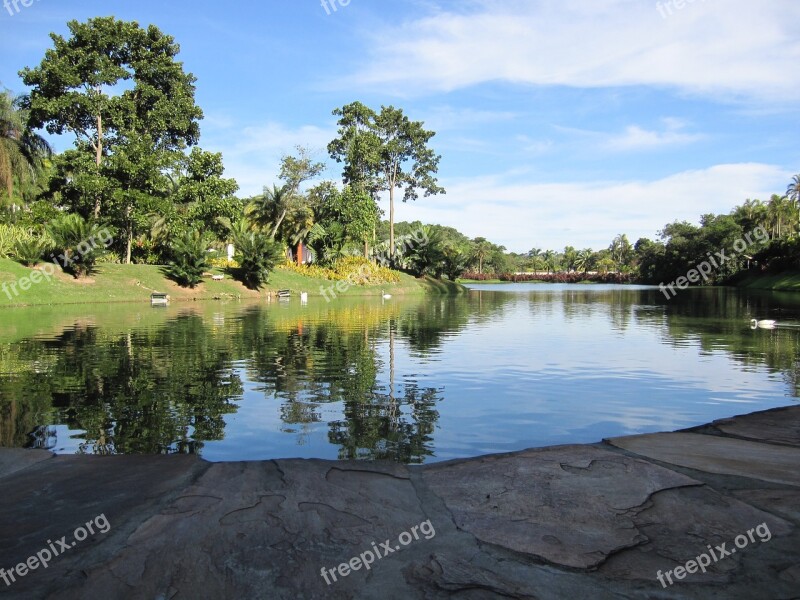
[(595, 520), (126, 284)]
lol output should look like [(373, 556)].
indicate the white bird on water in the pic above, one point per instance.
[(303, 297), (764, 324), (385, 295)]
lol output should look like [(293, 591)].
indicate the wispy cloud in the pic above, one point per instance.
[(732, 50), (638, 138), (590, 213)]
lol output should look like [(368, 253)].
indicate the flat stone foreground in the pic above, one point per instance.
[(590, 521)]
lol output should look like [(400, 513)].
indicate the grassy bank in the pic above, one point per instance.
[(788, 281), (135, 283)]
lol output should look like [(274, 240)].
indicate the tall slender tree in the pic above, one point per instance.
[(383, 152)]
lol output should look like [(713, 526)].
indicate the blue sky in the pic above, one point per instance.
[(558, 121)]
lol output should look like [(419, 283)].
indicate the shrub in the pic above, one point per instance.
[(29, 251), (109, 258), (356, 269), (79, 242), (257, 254), (189, 257), (9, 236)]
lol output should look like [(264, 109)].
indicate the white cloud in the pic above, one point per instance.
[(589, 214), (637, 138), (728, 50)]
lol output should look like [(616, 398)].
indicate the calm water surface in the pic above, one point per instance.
[(500, 369)]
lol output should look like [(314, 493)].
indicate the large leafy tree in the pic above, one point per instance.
[(115, 86), (207, 196), (342, 220), (385, 151)]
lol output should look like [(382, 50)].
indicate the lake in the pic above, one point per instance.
[(503, 368)]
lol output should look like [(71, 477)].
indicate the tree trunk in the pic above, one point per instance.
[(128, 235), (391, 225), (98, 160), (278, 223), (299, 253)]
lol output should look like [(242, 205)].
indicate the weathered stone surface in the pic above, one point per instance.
[(680, 524), (523, 501), (715, 454), (54, 497), (18, 459), (567, 522), (782, 502), (779, 426)]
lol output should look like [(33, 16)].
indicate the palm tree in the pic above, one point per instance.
[(22, 152), (298, 225), (481, 251), (268, 210), (621, 251), (549, 260), (583, 260), (793, 191), (570, 254), (535, 254), (780, 211)]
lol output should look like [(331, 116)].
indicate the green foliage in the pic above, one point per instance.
[(268, 210), (455, 260), (205, 194), (29, 251), (345, 219), (427, 256), (109, 258), (257, 254), (78, 242), (23, 154), (10, 235), (190, 257)]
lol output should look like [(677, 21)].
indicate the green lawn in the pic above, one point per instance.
[(135, 283)]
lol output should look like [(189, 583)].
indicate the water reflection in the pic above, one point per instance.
[(408, 380)]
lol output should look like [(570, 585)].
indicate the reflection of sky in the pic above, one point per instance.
[(531, 378)]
